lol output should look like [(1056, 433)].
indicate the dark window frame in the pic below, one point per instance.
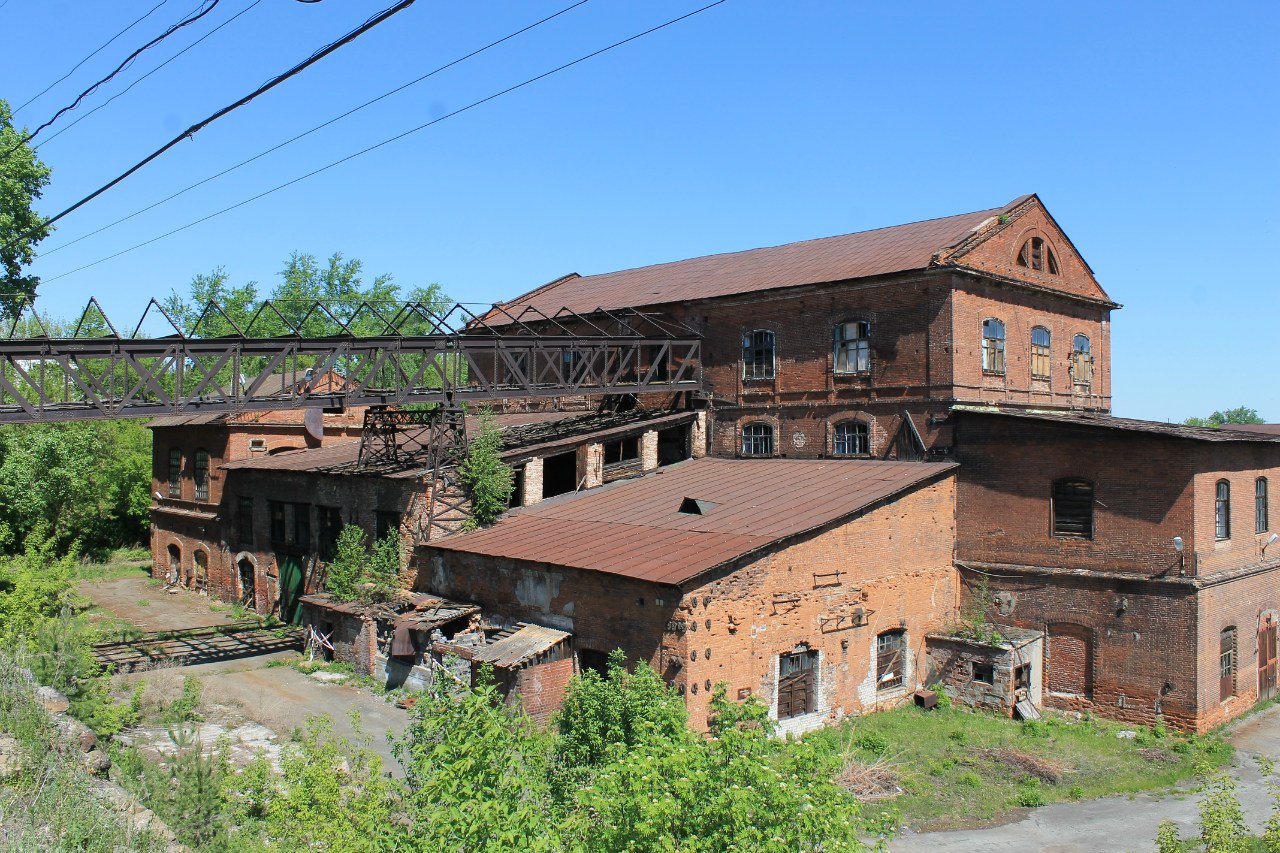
[(1081, 360), (1071, 502), (175, 472), (329, 519), (382, 523), (851, 354), (983, 672), (856, 440), (757, 439), (200, 474), (1041, 354), (1222, 510), (759, 355), (797, 683), (1227, 662), (276, 523), (993, 340), (1261, 510), (244, 521), (891, 659), (1036, 253)]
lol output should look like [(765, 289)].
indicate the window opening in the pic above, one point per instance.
[(1040, 342), (853, 347), (889, 659), (693, 506), (248, 584), (202, 475), (1036, 254), (1022, 677), (1073, 508), (330, 518), (757, 440), (984, 672), (851, 438), (275, 511), (1222, 510), (386, 523), (302, 526), (1081, 360), (797, 683), (1227, 663), (244, 522), (624, 450), (175, 473), (1261, 522), (993, 346), (757, 354)]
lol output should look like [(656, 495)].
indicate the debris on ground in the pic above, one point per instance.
[(869, 781), (1027, 763), (1152, 753)]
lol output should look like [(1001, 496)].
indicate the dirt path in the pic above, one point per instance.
[(163, 611), (1115, 824)]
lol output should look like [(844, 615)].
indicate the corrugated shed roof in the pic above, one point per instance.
[(866, 253), (635, 528), (529, 641), (1234, 433)]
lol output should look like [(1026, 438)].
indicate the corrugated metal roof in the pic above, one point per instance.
[(884, 250), (525, 643), (1232, 433), (635, 529)]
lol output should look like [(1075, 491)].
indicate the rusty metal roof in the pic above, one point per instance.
[(635, 528), (1265, 429), (884, 250), (528, 642), (1231, 433)]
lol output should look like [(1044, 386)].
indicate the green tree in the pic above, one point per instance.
[(487, 479), (357, 573), (22, 179), (1238, 415)]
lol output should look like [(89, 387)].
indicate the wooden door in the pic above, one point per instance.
[(1267, 660), (291, 586)]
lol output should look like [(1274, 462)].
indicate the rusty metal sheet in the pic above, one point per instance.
[(529, 641)]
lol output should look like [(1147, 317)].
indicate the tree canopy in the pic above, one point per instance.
[(1238, 415), (22, 178)]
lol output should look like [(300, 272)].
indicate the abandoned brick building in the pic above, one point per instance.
[(891, 418)]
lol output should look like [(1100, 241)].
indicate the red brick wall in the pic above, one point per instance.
[(1240, 465), (1245, 604), (542, 686)]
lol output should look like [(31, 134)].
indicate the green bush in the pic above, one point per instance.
[(487, 479), (871, 741), (1029, 794), (969, 779)]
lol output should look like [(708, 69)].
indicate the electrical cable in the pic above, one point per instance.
[(392, 139), (103, 47), (291, 140), (191, 131), (191, 19), (125, 90)]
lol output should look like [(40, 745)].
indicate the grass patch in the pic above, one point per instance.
[(117, 564), (959, 769)]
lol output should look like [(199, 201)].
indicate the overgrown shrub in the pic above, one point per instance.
[(487, 479)]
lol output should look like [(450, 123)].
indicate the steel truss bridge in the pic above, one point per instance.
[(329, 355)]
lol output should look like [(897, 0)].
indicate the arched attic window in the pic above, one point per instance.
[(1036, 254)]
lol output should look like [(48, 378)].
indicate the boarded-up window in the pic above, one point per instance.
[(993, 346), (1081, 360), (175, 473), (890, 659), (201, 475), (1040, 345), (1261, 523), (1222, 510), (757, 354), (797, 684), (1038, 255), (1073, 509), (853, 347), (1227, 663)]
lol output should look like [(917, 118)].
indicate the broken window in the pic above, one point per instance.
[(1022, 677), (175, 473), (853, 347), (201, 471), (244, 522), (984, 672), (1260, 520), (1227, 663), (757, 440), (623, 450), (330, 518), (1081, 361), (1036, 254), (851, 438), (386, 523), (1222, 510), (757, 354), (797, 684), (302, 526), (275, 510), (1073, 508), (890, 659), (992, 346), (1040, 340)]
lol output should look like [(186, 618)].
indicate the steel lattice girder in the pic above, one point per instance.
[(44, 379)]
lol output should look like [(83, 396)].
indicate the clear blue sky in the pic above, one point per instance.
[(1151, 131)]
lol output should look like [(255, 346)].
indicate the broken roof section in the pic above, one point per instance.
[(1229, 433), (636, 528)]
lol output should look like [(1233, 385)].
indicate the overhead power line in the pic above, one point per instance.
[(305, 133), (395, 138), (126, 89), (101, 48), (191, 131), (190, 19)]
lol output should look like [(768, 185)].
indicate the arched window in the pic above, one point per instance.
[(853, 347), (201, 472), (851, 438), (993, 346), (1037, 255), (1073, 509), (890, 659), (1261, 523), (757, 440), (1081, 360), (175, 473), (1040, 343), (757, 354), (1222, 510)]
